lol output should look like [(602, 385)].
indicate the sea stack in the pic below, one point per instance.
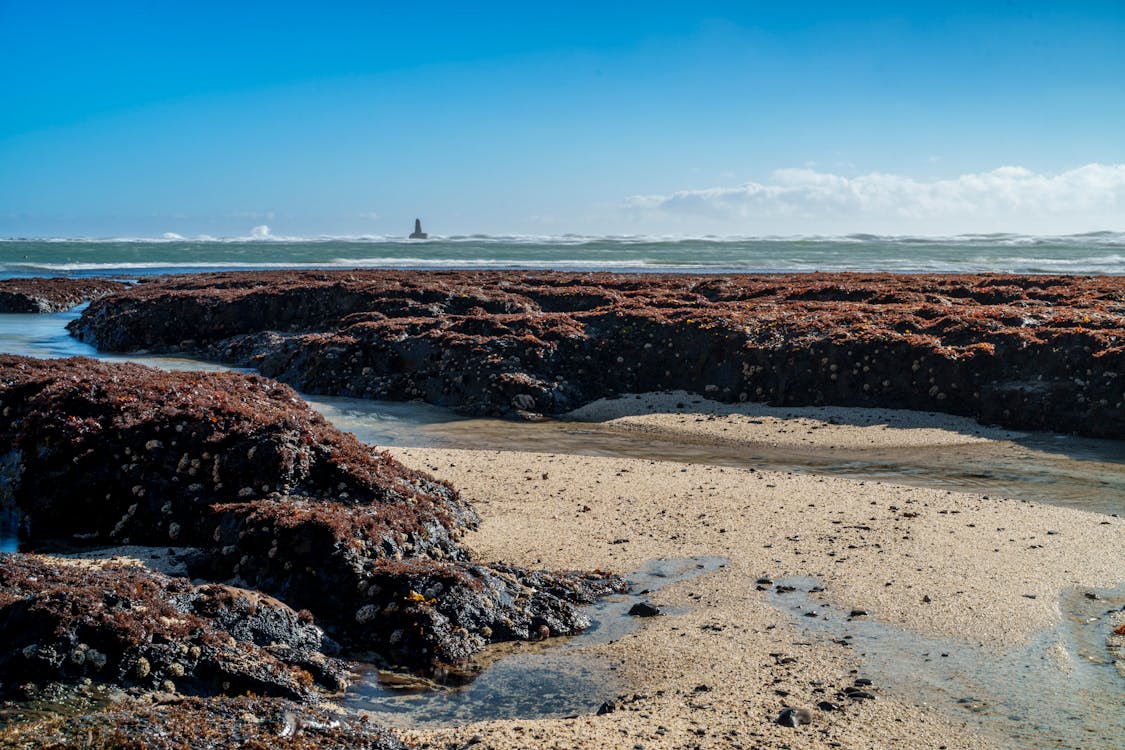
[(418, 234)]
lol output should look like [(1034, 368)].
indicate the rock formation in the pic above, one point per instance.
[(37, 295), (1027, 352), (276, 499)]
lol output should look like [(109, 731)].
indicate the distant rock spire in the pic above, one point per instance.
[(418, 234)]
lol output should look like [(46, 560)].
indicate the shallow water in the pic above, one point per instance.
[(1074, 472), (1059, 691), (523, 680)]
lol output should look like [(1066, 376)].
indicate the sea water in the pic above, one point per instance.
[(1092, 253)]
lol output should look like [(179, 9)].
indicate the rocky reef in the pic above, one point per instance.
[(39, 295), (201, 724), (1027, 352), (64, 620), (274, 499)]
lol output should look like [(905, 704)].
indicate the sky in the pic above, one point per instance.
[(748, 118)]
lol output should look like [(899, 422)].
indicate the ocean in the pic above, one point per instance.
[(1092, 253)]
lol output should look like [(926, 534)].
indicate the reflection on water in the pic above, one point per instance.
[(45, 336), (1060, 691), (526, 680), (9, 530)]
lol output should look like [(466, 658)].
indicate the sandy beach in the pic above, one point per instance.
[(986, 572)]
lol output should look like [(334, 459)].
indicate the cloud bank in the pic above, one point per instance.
[(1009, 198)]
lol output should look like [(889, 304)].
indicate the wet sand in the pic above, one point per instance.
[(970, 569), (687, 415)]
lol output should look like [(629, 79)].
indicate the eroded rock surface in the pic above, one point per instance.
[(197, 724), (64, 620), (277, 498), (39, 295), (1028, 352)]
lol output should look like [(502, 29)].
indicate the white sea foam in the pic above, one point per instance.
[(264, 235), (1098, 252)]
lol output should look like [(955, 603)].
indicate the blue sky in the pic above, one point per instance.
[(136, 119)]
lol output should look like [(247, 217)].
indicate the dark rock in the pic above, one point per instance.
[(644, 609), (858, 613), (607, 707), (38, 295), (278, 498), (197, 724), (827, 706), (858, 695), (794, 717), (1001, 348), (122, 624)]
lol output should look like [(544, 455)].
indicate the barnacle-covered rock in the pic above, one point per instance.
[(1028, 352), (275, 497), (202, 724), (64, 620)]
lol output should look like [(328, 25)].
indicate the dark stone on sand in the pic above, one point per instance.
[(279, 500), (827, 706), (39, 295), (198, 724), (794, 717), (644, 609), (1027, 352), (858, 613), (858, 695), (607, 707)]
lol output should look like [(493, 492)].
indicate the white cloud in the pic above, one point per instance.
[(1010, 198)]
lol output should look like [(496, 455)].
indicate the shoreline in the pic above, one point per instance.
[(774, 531)]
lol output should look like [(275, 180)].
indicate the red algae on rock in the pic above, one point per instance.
[(38, 295), (198, 724), (125, 625), (1027, 352), (275, 497)]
